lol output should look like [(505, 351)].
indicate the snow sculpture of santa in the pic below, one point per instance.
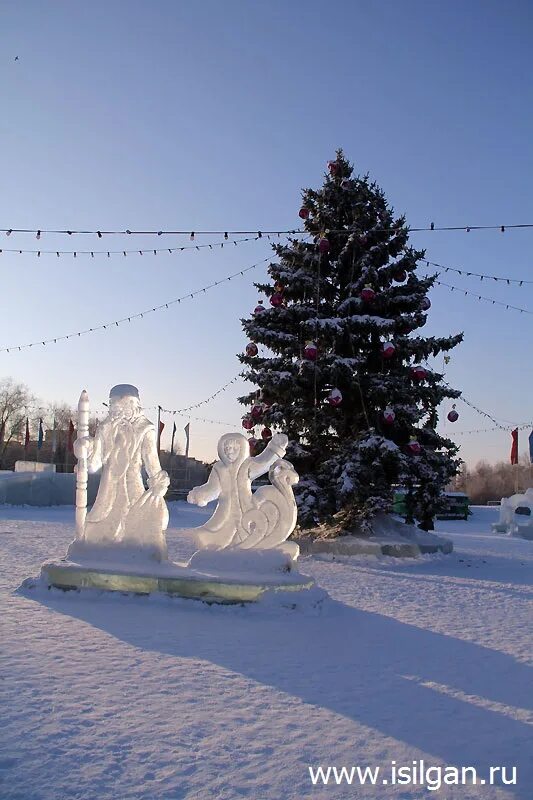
[(124, 512)]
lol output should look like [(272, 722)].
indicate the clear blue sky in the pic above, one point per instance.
[(213, 114)]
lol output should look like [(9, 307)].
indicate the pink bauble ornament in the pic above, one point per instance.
[(418, 373), (257, 412), (333, 167), (303, 213), (388, 350), (425, 304), (414, 446), (266, 433), (368, 294), (310, 351), (389, 416), (259, 308), (334, 398), (251, 349), (276, 299), (247, 423), (323, 245), (400, 276), (453, 416)]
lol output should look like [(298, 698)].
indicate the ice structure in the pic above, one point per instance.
[(516, 515), (125, 516), (246, 520), (120, 543)]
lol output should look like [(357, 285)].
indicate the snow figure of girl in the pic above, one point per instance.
[(124, 512), (242, 519)]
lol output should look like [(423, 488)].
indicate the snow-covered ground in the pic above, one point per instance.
[(109, 697)]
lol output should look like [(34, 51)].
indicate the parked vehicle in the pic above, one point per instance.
[(454, 505)]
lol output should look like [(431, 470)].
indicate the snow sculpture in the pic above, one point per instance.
[(120, 544), (516, 515), (124, 512), (244, 520)]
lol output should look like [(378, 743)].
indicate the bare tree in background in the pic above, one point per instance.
[(15, 400), (62, 414), (486, 481)]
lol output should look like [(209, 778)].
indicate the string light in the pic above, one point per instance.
[(508, 306), (202, 402), (109, 253), (138, 315), (487, 430), (258, 232), (475, 274)]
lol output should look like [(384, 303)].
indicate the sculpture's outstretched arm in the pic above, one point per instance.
[(275, 449), (202, 495)]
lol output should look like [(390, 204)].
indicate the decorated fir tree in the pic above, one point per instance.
[(340, 367)]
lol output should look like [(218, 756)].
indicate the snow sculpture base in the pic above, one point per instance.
[(208, 578)]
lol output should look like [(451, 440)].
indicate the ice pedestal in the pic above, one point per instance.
[(219, 577)]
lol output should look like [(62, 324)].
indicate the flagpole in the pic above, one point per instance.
[(158, 430), (82, 466), (187, 434)]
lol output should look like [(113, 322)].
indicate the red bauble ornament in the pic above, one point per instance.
[(333, 167), (248, 423), (425, 304), (257, 412), (276, 299), (389, 416), (368, 294), (251, 349), (303, 213), (310, 351), (400, 276), (334, 398), (259, 308), (418, 373), (266, 433), (453, 416), (323, 245), (388, 350), (414, 446)]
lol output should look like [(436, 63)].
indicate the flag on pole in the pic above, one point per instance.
[(186, 429), (531, 447), (514, 446), (54, 439), (27, 436), (173, 436), (70, 440), (41, 435)]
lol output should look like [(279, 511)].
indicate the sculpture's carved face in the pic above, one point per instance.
[(124, 408), (232, 449)]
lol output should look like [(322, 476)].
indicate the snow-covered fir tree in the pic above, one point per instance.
[(339, 364)]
